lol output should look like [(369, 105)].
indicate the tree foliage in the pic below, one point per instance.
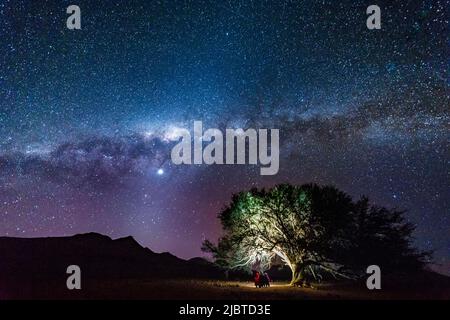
[(314, 230)]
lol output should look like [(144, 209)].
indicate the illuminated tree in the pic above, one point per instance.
[(313, 230)]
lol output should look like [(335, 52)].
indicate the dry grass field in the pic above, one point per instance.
[(191, 289)]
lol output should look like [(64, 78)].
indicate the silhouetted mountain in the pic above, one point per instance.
[(29, 260)]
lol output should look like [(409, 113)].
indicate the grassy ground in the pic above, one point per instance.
[(190, 289)]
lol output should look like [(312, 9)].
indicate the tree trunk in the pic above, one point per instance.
[(297, 274)]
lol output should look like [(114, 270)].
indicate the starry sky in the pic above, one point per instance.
[(87, 117)]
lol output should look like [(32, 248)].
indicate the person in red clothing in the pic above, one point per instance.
[(257, 278)]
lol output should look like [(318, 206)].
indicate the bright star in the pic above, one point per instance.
[(160, 171)]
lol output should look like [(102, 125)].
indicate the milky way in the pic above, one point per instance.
[(87, 116)]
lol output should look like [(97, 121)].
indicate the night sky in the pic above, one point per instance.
[(88, 117)]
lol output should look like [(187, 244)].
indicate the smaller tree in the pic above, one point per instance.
[(313, 230)]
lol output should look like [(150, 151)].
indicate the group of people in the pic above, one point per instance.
[(261, 279)]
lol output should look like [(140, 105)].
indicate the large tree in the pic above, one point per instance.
[(313, 230)]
